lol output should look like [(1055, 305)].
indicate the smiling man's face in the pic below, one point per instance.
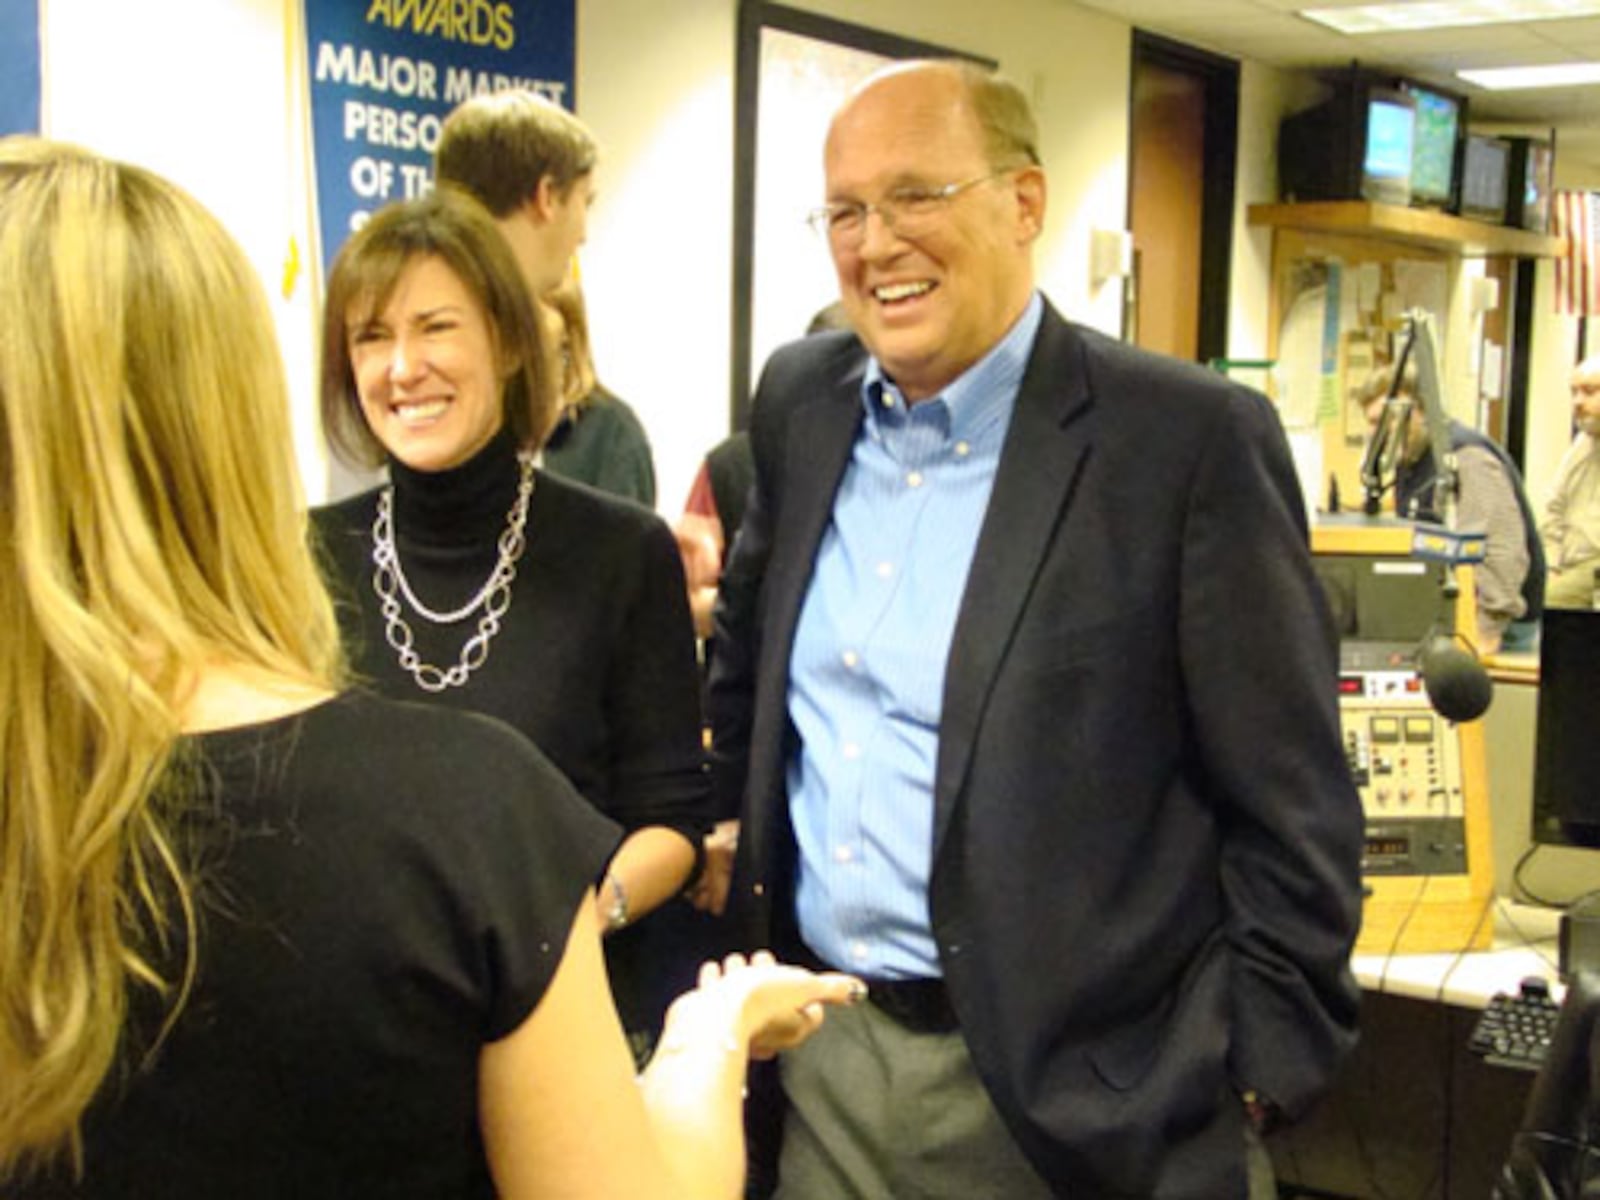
[(930, 307)]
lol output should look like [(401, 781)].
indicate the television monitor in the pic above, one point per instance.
[(1566, 756), (1436, 147), (1356, 145), (1485, 177), (1532, 169)]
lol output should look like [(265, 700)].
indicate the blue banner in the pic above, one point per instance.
[(385, 73), (19, 66)]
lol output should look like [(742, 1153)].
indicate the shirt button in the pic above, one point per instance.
[(962, 449), (885, 570), (858, 951), (851, 659), (851, 750), (914, 479), (843, 854)]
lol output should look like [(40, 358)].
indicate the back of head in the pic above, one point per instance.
[(449, 225), (148, 526), (1380, 383), (499, 145)]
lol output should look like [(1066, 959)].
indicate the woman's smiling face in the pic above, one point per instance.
[(427, 369)]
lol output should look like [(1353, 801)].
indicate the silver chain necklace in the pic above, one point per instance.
[(494, 597)]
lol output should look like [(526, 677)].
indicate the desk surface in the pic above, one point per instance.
[(1513, 666), (1524, 944)]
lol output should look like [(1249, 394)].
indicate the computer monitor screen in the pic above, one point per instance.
[(1386, 164), (1566, 761), (1485, 174), (1433, 147)]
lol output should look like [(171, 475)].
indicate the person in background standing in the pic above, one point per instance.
[(531, 163), (1509, 582), (597, 438), (1571, 525)]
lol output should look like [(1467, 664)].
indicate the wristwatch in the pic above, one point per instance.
[(617, 914)]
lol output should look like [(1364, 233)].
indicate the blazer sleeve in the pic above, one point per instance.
[(1260, 662)]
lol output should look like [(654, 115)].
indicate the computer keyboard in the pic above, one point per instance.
[(1515, 1031)]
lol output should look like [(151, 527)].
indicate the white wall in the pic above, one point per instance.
[(198, 90)]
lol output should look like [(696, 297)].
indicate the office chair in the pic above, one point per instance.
[(1555, 1154)]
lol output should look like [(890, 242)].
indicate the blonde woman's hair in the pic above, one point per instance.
[(150, 525)]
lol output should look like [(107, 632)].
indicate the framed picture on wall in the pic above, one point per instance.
[(793, 70)]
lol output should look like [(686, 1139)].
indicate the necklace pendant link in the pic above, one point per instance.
[(390, 585)]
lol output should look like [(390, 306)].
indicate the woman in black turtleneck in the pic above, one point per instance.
[(476, 581)]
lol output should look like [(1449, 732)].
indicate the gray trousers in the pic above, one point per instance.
[(879, 1113)]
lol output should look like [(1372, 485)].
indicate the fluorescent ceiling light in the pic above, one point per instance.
[(1501, 79), (1445, 14)]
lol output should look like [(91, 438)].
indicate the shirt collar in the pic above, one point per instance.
[(982, 394)]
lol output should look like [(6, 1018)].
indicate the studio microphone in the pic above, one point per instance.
[(1458, 687)]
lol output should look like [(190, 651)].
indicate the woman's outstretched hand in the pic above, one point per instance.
[(757, 1004)]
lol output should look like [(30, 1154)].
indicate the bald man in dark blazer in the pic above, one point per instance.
[(1101, 861)]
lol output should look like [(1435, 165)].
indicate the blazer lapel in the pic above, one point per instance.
[(1040, 463), (817, 449)]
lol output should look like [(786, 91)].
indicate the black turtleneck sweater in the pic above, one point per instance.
[(594, 660)]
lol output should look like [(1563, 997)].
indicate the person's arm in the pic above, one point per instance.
[(658, 789), (1489, 502), (650, 867), (560, 1110)]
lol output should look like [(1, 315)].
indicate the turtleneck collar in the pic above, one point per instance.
[(433, 506)]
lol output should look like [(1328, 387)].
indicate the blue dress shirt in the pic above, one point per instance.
[(868, 663)]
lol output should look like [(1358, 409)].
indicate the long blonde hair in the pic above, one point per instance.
[(150, 525)]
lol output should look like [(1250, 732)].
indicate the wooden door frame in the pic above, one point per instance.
[(1220, 154)]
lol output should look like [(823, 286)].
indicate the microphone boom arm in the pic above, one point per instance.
[(1447, 474)]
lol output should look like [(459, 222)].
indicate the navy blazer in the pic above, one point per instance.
[(1146, 852)]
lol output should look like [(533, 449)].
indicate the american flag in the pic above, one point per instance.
[(1577, 224)]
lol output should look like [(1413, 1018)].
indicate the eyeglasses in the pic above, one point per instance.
[(906, 211)]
